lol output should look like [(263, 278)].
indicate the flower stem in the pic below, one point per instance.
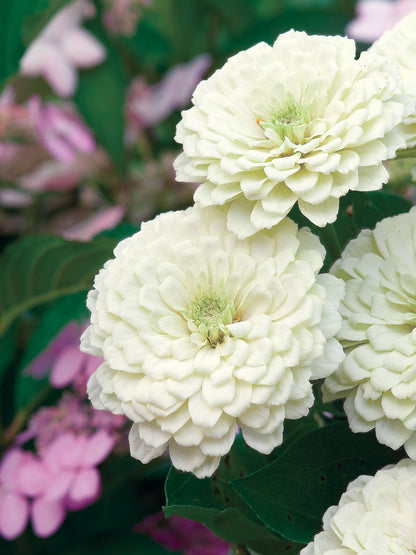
[(331, 241)]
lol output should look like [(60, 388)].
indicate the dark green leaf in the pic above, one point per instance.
[(357, 211), (21, 21), (100, 99), (214, 503), (42, 268), (291, 494)]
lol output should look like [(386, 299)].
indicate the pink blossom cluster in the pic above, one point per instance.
[(183, 535), (43, 488), (122, 16), (373, 17), (71, 438)]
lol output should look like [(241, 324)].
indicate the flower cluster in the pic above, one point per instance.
[(378, 376), (375, 515), (216, 317), (45, 487)]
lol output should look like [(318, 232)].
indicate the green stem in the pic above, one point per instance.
[(406, 153), (331, 242), (239, 550)]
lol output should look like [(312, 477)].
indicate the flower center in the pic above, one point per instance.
[(209, 313), (290, 121)]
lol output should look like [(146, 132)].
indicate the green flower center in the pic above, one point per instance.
[(209, 315), (290, 121)]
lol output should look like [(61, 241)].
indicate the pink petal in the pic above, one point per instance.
[(58, 486), (32, 477), (9, 466), (14, 514), (64, 452), (99, 446), (68, 364), (60, 74), (47, 516), (33, 61), (104, 219), (82, 48), (85, 489)]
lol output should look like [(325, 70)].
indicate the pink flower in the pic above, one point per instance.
[(180, 534), (63, 358), (63, 478), (150, 104), (61, 132), (71, 481), (73, 415), (373, 17), (14, 505), (61, 48)]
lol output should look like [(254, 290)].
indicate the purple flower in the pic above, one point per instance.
[(180, 534)]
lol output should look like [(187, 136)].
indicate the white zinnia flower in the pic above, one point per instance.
[(201, 331), (399, 44), (378, 375), (375, 516), (302, 121)]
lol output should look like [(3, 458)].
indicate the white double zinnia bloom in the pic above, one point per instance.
[(375, 516), (399, 45), (378, 375), (201, 331), (300, 121)]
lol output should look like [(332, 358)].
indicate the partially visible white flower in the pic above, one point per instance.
[(201, 331), (61, 48), (399, 45), (375, 516), (378, 375), (302, 121)]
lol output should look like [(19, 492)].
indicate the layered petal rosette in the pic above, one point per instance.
[(300, 121), (202, 332), (375, 516), (378, 375), (399, 45)]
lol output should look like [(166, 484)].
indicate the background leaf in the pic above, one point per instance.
[(214, 503), (100, 98), (291, 494), (42, 268)]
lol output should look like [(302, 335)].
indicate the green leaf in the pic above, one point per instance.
[(291, 494), (42, 268), (100, 98), (214, 503), (21, 21), (357, 211)]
